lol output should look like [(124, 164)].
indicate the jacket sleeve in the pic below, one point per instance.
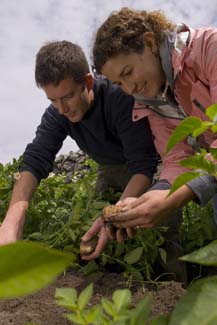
[(209, 62), (206, 186), (39, 156), (136, 137), (162, 128)]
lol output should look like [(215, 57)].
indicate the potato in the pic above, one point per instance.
[(87, 248), (110, 211)]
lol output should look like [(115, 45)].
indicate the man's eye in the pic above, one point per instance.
[(69, 96)]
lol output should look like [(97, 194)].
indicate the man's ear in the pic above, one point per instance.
[(89, 82), (149, 39)]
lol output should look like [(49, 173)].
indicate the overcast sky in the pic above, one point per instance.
[(26, 25)]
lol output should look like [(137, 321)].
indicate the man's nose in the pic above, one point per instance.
[(62, 107)]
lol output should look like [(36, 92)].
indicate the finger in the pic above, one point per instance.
[(101, 244), (137, 202), (134, 223), (110, 231), (94, 229), (130, 232), (125, 216), (120, 235), (126, 201)]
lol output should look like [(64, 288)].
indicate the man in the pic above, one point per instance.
[(93, 112)]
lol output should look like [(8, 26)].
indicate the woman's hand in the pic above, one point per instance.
[(150, 209)]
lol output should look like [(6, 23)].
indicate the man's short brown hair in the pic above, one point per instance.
[(59, 60)]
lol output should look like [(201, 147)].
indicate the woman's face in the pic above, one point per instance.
[(136, 73)]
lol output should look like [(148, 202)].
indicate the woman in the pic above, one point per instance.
[(172, 73)]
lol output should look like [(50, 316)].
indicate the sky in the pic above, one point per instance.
[(26, 25)]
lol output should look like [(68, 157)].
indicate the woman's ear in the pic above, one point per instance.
[(89, 82), (149, 39)]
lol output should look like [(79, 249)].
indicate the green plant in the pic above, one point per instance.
[(27, 267), (193, 126), (198, 305), (117, 311)]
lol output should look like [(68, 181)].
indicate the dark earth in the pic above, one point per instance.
[(41, 309)]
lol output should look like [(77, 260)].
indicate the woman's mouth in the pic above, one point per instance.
[(141, 90)]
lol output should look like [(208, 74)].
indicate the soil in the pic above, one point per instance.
[(41, 309)]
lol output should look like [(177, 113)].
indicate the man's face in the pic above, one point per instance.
[(71, 99), (136, 73)]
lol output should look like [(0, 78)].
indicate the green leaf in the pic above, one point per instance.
[(139, 315), (204, 126), (199, 162), (160, 320), (121, 298), (76, 318), (163, 255), (213, 152), (94, 315), (36, 236), (185, 128), (134, 255), (214, 128), (108, 307), (85, 296), (29, 266), (211, 112), (98, 205), (66, 297), (119, 249), (183, 179), (198, 305), (205, 256), (89, 268)]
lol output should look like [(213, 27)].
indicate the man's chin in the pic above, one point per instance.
[(75, 119)]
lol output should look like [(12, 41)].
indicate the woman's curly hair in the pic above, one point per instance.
[(123, 33)]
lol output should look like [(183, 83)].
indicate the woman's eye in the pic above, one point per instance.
[(128, 72)]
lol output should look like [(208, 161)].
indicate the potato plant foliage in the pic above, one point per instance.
[(59, 215)]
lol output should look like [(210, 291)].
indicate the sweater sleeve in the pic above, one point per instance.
[(136, 137), (39, 155)]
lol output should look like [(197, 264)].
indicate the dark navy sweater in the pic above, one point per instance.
[(106, 133)]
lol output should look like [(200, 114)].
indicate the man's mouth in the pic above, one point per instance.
[(71, 115)]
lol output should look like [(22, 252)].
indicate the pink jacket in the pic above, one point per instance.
[(195, 73)]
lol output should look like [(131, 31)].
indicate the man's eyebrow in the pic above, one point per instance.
[(62, 97)]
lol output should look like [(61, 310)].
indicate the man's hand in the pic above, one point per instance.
[(9, 233), (12, 227), (105, 233), (98, 228)]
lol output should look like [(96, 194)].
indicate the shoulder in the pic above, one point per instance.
[(203, 40), (52, 115), (110, 92)]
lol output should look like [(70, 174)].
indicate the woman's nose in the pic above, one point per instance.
[(127, 87)]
